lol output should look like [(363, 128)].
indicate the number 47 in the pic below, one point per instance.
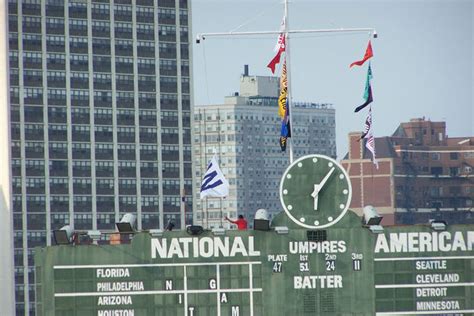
[(277, 267)]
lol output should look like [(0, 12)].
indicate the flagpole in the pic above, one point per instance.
[(206, 213), (288, 76), (222, 224), (287, 32)]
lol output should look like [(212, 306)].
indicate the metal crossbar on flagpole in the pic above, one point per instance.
[(202, 36)]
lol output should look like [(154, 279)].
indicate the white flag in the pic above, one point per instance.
[(368, 124), (370, 144), (214, 184)]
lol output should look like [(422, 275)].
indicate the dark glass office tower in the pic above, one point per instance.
[(100, 119)]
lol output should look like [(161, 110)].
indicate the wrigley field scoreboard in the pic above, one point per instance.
[(316, 259)]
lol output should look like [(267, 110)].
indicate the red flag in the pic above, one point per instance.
[(281, 49), (368, 55)]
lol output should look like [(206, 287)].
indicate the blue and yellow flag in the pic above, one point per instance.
[(283, 92)]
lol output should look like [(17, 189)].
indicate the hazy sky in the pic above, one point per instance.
[(422, 64)]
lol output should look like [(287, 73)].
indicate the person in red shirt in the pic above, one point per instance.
[(241, 222)]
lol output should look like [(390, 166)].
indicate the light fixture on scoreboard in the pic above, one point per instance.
[(438, 224), (155, 232), (261, 224), (194, 229), (94, 235), (262, 220), (127, 223), (376, 229), (63, 236), (371, 217), (218, 231), (281, 230)]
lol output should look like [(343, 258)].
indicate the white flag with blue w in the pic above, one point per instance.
[(214, 184)]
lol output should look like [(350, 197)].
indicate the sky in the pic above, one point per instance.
[(423, 60)]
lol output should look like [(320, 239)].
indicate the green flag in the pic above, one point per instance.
[(367, 83)]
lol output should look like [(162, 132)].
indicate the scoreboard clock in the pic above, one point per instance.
[(315, 191)]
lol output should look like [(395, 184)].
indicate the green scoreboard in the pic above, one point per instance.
[(317, 259)]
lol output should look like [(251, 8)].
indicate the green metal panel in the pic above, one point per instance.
[(326, 264), (264, 273)]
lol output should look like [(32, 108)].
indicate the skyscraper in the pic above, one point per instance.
[(100, 119), (244, 132)]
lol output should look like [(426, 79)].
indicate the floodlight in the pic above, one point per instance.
[(170, 225), (63, 235), (218, 231), (262, 220), (371, 217), (261, 224), (262, 214), (94, 234), (156, 232), (438, 225), (281, 230), (194, 229), (376, 229), (127, 223)]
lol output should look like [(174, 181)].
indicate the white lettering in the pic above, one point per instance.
[(117, 312), (274, 258), (238, 247), (431, 292), (303, 247), (223, 298), (437, 305), (222, 246), (113, 273), (202, 247), (186, 241), (437, 278), (120, 286), (175, 249), (458, 242), (252, 251), (381, 244), (114, 300), (425, 242), (421, 242), (431, 265), (235, 310), (412, 242), (398, 242), (311, 281), (158, 247), (443, 238), (206, 247), (212, 284)]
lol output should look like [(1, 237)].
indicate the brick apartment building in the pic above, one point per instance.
[(423, 174)]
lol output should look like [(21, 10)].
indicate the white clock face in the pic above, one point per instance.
[(315, 191)]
